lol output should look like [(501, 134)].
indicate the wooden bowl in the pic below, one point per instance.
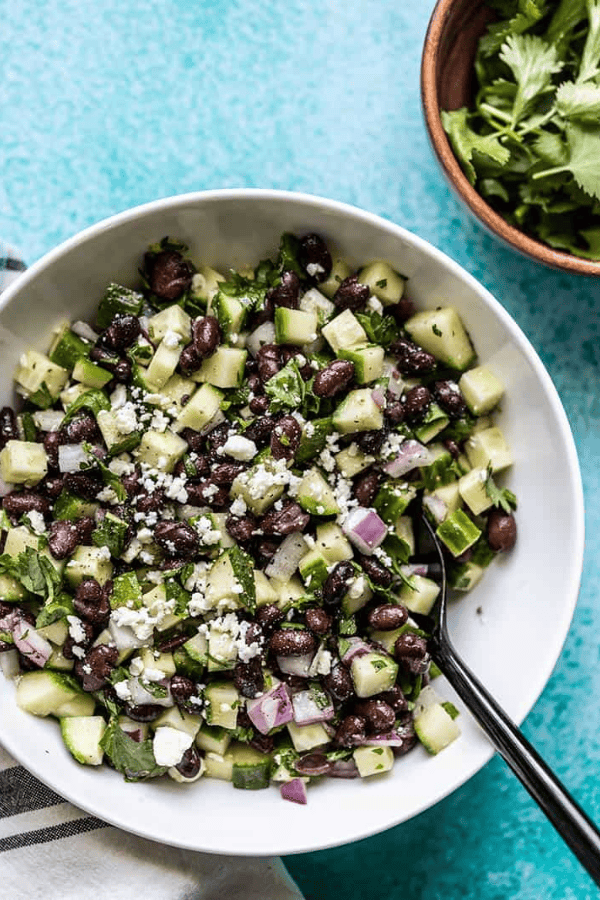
[(447, 82)]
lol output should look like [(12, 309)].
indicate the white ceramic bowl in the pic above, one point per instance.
[(527, 599)]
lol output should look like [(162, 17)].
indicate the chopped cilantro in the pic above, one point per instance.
[(135, 760), (436, 330), (501, 498)]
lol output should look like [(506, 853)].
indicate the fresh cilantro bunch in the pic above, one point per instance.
[(531, 143)]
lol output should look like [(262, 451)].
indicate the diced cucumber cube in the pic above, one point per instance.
[(340, 270), (222, 651), (89, 562), (161, 450), (71, 394), (288, 591), (153, 659), (392, 499), (481, 389), (59, 662), (316, 302), (458, 532), (373, 760), (295, 326), (224, 368), (205, 282), (172, 393), (333, 543), (358, 595), (66, 347), (441, 332), (316, 496), (472, 487), (373, 673), (197, 648), (405, 531), (174, 319), (163, 364), (82, 736), (443, 501), (35, 370), (313, 568), (258, 487), (435, 728), (70, 506), (383, 281), (484, 449), (11, 589), (420, 595), (251, 768), (114, 438), (213, 739), (219, 766), (345, 331), (200, 410), (91, 375), (368, 362), (466, 576), (434, 421), (118, 300), (222, 703), (45, 693), (177, 718), (126, 591), (306, 737), (23, 462), (231, 314), (224, 586), (353, 460), (265, 592), (358, 412)]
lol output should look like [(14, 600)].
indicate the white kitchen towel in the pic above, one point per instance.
[(49, 850)]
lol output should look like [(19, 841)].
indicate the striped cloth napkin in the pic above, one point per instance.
[(49, 850)]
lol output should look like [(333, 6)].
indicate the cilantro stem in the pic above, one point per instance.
[(496, 113), (554, 171)]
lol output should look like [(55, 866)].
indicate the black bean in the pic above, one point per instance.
[(177, 539), (378, 714), (416, 403), (285, 438), (189, 359), (291, 517), (365, 487), (351, 294), (259, 405), (449, 397), (84, 484), (268, 617), (314, 257), (339, 683), (63, 538), (207, 493), (241, 529), (169, 274), (226, 473), (377, 572), (334, 378), (81, 428), (216, 438), (19, 502), (265, 550), (260, 430), (83, 642), (394, 698), (337, 582), (8, 426), (410, 650), (402, 310), (190, 763), (143, 712), (122, 332), (206, 335), (51, 442), (182, 688), (501, 530), (318, 621), (269, 361), (151, 501), (412, 359), (95, 667), (315, 763), (292, 642), (452, 448), (394, 410), (387, 616), (351, 731), (264, 743), (90, 602), (51, 486), (172, 643), (286, 292), (248, 677), (196, 441), (371, 441)]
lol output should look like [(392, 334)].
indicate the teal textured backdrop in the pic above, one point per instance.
[(107, 105)]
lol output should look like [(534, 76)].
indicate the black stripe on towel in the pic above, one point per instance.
[(52, 833), (11, 264), (20, 792)]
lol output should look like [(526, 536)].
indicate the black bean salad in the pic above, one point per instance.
[(210, 498)]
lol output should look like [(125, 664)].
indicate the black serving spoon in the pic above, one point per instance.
[(571, 822)]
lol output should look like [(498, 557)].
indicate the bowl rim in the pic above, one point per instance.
[(493, 221), (575, 563)]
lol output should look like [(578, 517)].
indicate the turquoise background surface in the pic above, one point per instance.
[(108, 105)]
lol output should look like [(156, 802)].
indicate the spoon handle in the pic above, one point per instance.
[(571, 822)]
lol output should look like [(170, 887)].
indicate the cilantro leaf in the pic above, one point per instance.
[(590, 58), (382, 330), (578, 101), (135, 760), (519, 17), (501, 498), (466, 142), (286, 389), (34, 571), (533, 62)]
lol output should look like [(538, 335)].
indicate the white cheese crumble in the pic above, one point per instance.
[(170, 744), (239, 447)]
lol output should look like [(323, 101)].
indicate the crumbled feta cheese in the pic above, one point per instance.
[(126, 418), (36, 520), (239, 447), (122, 690), (171, 339), (170, 744)]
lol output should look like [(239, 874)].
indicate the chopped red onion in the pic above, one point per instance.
[(307, 710), (389, 739), (411, 454), (415, 569), (343, 768), (294, 790), (378, 395), (296, 665), (436, 506), (286, 558), (85, 331), (264, 334), (31, 644), (71, 457), (48, 419), (272, 709), (356, 647), (365, 529)]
